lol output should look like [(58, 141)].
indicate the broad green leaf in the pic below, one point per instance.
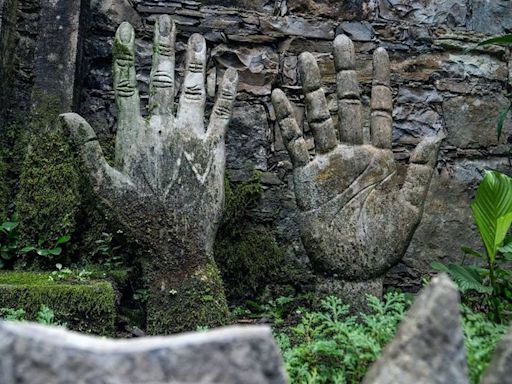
[(507, 247), (492, 210), (466, 277), (43, 252), (55, 251), (507, 256), (504, 39), (63, 239), (501, 119), (9, 225), (472, 252)]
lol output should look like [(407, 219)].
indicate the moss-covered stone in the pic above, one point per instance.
[(247, 253), (49, 198), (86, 307), (197, 300)]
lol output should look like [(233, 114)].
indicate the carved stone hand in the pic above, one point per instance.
[(167, 185), (357, 216)]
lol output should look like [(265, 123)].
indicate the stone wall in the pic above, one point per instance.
[(436, 85)]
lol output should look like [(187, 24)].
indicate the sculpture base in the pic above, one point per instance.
[(350, 292), (181, 302)]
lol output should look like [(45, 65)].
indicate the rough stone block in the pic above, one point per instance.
[(37, 354), (471, 121), (429, 345), (58, 50), (87, 307)]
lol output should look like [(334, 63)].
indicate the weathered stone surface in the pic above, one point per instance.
[(356, 219), (257, 67), (471, 121), (167, 186), (58, 50), (499, 370), (37, 354), (491, 17), (450, 12), (429, 344), (246, 140)]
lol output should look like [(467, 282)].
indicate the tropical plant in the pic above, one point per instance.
[(492, 211)]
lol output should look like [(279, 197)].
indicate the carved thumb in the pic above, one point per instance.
[(84, 139), (421, 167)]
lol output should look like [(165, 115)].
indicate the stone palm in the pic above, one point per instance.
[(357, 215), (167, 183)]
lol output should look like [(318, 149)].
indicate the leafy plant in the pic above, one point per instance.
[(480, 338), (55, 249), (67, 274), (12, 314), (492, 211), (9, 241), (44, 316), (330, 346)]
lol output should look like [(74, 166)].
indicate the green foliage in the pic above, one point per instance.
[(247, 253), (44, 316), (492, 210), (12, 314), (8, 242), (10, 249), (67, 274), (330, 346), (54, 249), (480, 338), (86, 307)]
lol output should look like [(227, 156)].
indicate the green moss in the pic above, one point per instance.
[(49, 197), (247, 253), (86, 307), (196, 301)]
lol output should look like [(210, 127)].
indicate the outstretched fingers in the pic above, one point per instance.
[(420, 170), (103, 177), (292, 135), (349, 102), (223, 108), (125, 78), (162, 73), (382, 101), (317, 112), (126, 93), (193, 95)]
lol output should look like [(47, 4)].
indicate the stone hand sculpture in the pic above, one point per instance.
[(356, 215), (167, 185)]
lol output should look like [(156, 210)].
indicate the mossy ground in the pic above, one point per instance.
[(86, 307)]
